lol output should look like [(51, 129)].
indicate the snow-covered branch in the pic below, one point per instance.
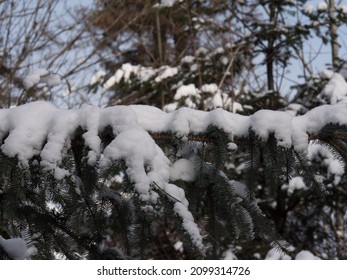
[(39, 128)]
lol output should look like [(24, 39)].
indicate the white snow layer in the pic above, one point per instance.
[(39, 128), (25, 129), (15, 248)]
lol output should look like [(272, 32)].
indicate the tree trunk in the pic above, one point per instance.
[(333, 34)]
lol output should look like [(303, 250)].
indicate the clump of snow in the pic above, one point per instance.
[(182, 169), (124, 73), (201, 51), (189, 94), (187, 90), (229, 255), (334, 167), (142, 73), (215, 98), (51, 80), (232, 146), (41, 76), (188, 59), (296, 183), (326, 74), (336, 89), (322, 6), (178, 246), (137, 148), (165, 4), (265, 122), (170, 107), (165, 72), (189, 225), (15, 248), (309, 9), (34, 78), (210, 88), (306, 255), (110, 83), (97, 77)]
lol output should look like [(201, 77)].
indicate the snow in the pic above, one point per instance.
[(125, 72), (41, 76), (186, 90), (97, 77), (178, 246), (166, 72), (34, 78), (265, 122), (137, 147), (336, 89), (232, 146), (189, 225), (188, 59), (28, 127), (144, 74), (182, 169), (296, 183), (51, 80), (110, 83), (165, 4), (14, 247), (322, 6), (275, 254), (229, 255), (41, 129), (210, 88), (306, 255), (309, 9), (334, 167)]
